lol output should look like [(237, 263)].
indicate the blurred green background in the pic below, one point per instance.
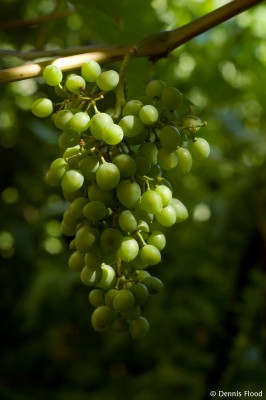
[(208, 327)]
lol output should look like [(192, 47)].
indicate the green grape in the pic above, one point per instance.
[(68, 138), (95, 210), (97, 297), (71, 196), (151, 202), (127, 221), (77, 207), (167, 159), (142, 274), (172, 98), (155, 88), (102, 318), (143, 166), (111, 240), (155, 172), (153, 284), (139, 138), (107, 176), (90, 277), (86, 239), (149, 151), (57, 170), (148, 114), (72, 181), (132, 107), (157, 239), (88, 167), (128, 193), (68, 230), (76, 261), (139, 328), (132, 313), (150, 255), (140, 293), (184, 161), (90, 71), (96, 193), (107, 80), (167, 217), (112, 134), (69, 218), (98, 122), (199, 149), (75, 83), (108, 280), (61, 118), (192, 123), (123, 300), (125, 164), (94, 258), (80, 122), (180, 209), (170, 137), (165, 193), (143, 226), (42, 107), (70, 152), (131, 125), (52, 75), (109, 297), (129, 249)]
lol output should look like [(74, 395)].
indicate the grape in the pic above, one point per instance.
[(96, 193), (157, 239), (150, 255), (142, 164), (70, 152), (107, 80), (98, 123), (132, 107), (111, 240), (61, 118), (52, 75), (156, 171), (199, 149), (79, 122), (68, 138), (155, 88), (151, 202), (165, 193), (192, 123), (94, 258), (57, 170), (42, 107), (129, 249), (139, 328), (76, 261), (132, 313), (167, 217), (127, 221), (148, 114), (90, 71), (170, 137), (180, 209), (68, 230), (184, 161), (107, 176), (172, 98), (140, 293), (123, 300), (95, 210), (102, 318), (153, 284), (109, 297), (128, 193), (75, 83), (72, 181), (108, 280), (131, 125), (86, 238), (149, 151), (167, 159), (77, 207), (97, 297), (120, 325), (112, 134), (125, 164), (88, 167), (90, 276)]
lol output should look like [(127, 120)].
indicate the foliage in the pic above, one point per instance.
[(207, 327)]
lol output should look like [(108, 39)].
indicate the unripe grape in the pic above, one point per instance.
[(95, 210), (75, 83), (140, 293), (167, 159), (107, 80), (132, 107), (165, 193), (112, 134), (72, 181), (154, 285), (52, 75), (200, 149), (170, 137), (90, 277), (96, 193), (151, 202), (127, 221), (108, 280), (125, 164), (172, 98), (155, 88), (42, 107), (86, 238), (102, 318), (80, 122), (88, 167), (107, 176), (180, 209), (185, 161), (129, 249), (167, 217), (149, 151), (76, 261), (111, 240), (61, 118), (97, 297), (131, 125), (68, 138), (139, 328), (123, 300), (150, 255), (157, 239), (148, 114), (90, 71), (109, 297), (98, 123), (128, 193), (94, 258)]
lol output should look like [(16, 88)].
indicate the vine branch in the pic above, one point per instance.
[(155, 46)]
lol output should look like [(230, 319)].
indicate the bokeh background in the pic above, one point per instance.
[(208, 327)]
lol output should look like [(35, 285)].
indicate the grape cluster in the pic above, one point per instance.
[(111, 172)]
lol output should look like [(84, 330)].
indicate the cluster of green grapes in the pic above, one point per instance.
[(111, 172)]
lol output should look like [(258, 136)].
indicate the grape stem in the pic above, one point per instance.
[(155, 46)]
